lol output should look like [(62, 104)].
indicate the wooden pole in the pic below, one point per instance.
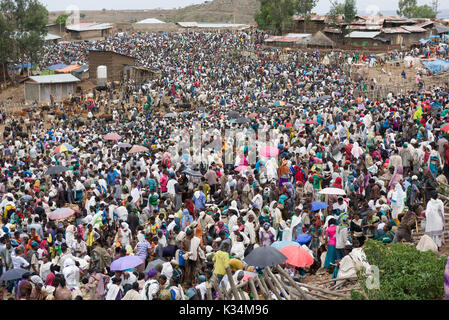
[(262, 289), (337, 279), (292, 282), (265, 286), (231, 282), (273, 288), (277, 283), (217, 287), (322, 290), (209, 291), (253, 289)]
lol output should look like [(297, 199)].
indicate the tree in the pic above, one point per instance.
[(410, 9), (28, 19), (424, 11), (406, 7), (350, 10), (304, 8), (82, 15), (336, 10), (62, 19), (275, 15), (5, 46)]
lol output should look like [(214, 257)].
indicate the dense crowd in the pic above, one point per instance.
[(243, 168)]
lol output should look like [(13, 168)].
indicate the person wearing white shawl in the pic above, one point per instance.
[(435, 219), (356, 151), (398, 197), (71, 273), (238, 247), (114, 289), (251, 226), (232, 216), (296, 225), (284, 227), (70, 235), (276, 214)]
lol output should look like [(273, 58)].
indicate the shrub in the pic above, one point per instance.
[(405, 273)]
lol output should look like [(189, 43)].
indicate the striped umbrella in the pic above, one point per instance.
[(63, 148)]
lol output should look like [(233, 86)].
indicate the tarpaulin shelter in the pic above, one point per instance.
[(68, 69), (436, 66), (57, 67)]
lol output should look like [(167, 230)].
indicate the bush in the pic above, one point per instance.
[(404, 273)]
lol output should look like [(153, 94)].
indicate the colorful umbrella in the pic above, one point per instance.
[(63, 148), (288, 125), (61, 213), (297, 256), (269, 151), (253, 115), (127, 262), (241, 168), (112, 136), (136, 149), (319, 205), (279, 103), (445, 127), (311, 122), (280, 244)]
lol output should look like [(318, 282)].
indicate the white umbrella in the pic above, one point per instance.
[(336, 191)]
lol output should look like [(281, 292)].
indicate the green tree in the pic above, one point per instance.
[(28, 19), (304, 8), (406, 8), (350, 10), (275, 15), (335, 11), (6, 45), (424, 11), (62, 19), (82, 15)]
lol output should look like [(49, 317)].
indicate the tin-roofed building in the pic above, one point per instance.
[(60, 86), (83, 31)]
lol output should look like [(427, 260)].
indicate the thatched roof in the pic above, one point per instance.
[(320, 40)]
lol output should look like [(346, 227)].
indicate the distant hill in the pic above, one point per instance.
[(238, 11)]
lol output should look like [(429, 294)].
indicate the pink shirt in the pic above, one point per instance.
[(331, 231)]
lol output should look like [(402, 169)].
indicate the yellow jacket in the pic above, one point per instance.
[(221, 260)]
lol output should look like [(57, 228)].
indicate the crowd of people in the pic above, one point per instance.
[(241, 168)]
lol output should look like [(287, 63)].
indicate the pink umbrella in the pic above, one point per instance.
[(136, 149), (269, 151), (311, 122), (61, 213), (112, 136), (241, 168)]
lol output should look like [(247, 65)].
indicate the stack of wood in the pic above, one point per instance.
[(277, 284)]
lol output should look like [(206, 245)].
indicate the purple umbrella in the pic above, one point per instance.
[(127, 262)]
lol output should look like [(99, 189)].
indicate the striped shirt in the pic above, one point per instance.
[(142, 249)]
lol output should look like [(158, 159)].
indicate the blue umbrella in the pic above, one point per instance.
[(280, 244), (319, 205), (13, 274), (304, 238), (127, 262), (330, 127)]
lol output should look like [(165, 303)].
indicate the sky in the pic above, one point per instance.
[(365, 7)]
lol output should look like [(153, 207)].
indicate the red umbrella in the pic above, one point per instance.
[(269, 151), (445, 128), (311, 122), (297, 256), (288, 125), (112, 136)]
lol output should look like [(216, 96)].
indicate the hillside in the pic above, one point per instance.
[(212, 11)]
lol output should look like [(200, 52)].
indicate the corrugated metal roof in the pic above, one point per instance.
[(414, 29), (394, 30), (188, 24), (212, 25), (55, 78), (150, 21), (441, 28), (89, 26), (365, 27), (298, 35), (332, 30), (51, 36), (363, 35), (424, 24)]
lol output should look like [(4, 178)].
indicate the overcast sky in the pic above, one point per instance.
[(365, 7)]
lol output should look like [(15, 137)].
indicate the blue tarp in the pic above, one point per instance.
[(57, 67), (436, 66), (26, 65)]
